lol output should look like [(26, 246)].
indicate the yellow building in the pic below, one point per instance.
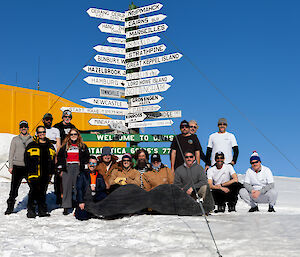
[(18, 104)]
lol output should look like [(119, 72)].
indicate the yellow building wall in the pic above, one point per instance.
[(18, 104)]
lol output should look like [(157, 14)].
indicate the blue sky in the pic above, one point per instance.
[(248, 49)]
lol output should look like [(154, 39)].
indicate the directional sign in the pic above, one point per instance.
[(131, 150), (104, 122), (163, 115), (134, 117), (105, 81), (146, 89), (105, 111), (118, 127), (127, 138), (111, 28), (148, 108), (116, 40), (109, 59), (143, 10), (145, 51), (146, 20), (142, 74), (105, 71), (142, 42), (106, 14), (146, 31), (156, 123), (154, 60), (144, 100), (110, 49), (112, 93), (106, 102), (149, 81)]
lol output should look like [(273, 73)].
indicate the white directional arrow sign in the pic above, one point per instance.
[(163, 115), (143, 10), (96, 110), (142, 42), (116, 40), (155, 123), (105, 81), (145, 51), (149, 81), (146, 20), (106, 14), (112, 93), (144, 100), (106, 102), (134, 117), (105, 71), (110, 49), (110, 59), (146, 31), (154, 60), (111, 28), (142, 74), (148, 108), (146, 89), (105, 122)]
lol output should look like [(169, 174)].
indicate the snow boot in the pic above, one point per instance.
[(221, 208), (271, 209), (31, 214), (231, 207), (66, 211), (10, 208), (43, 212), (254, 209)]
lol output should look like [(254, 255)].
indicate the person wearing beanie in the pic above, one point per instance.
[(258, 185), (185, 142), (16, 165), (223, 182), (222, 141), (160, 173)]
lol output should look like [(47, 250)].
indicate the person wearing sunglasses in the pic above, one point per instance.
[(92, 180), (222, 141), (65, 125), (258, 185), (16, 165), (223, 182), (182, 143), (39, 160), (191, 178), (71, 159)]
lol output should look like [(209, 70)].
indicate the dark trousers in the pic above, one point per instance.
[(37, 193), (18, 173), (58, 187), (231, 197)]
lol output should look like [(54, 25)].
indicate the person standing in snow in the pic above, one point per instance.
[(71, 159), (223, 182), (39, 160), (222, 141), (258, 185), (16, 165)]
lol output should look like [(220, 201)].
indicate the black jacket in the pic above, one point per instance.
[(33, 161), (84, 156), (84, 180)]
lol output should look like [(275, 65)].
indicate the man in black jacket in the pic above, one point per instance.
[(39, 161)]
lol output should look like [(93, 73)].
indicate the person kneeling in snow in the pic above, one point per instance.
[(89, 178), (259, 185), (224, 184)]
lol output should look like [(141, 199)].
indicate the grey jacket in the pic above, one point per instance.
[(17, 150), (183, 176)]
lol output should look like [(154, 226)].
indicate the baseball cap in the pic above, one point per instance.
[(222, 120), (23, 123), (219, 154), (184, 123), (48, 115), (67, 113), (155, 157)]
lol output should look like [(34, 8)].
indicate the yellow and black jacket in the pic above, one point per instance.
[(33, 162)]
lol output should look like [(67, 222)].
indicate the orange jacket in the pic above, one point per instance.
[(155, 178), (131, 176), (102, 169)]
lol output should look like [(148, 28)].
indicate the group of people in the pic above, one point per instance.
[(59, 151)]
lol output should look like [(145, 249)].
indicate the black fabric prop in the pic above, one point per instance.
[(130, 199)]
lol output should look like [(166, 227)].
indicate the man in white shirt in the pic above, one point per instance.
[(52, 133), (223, 182), (222, 141), (258, 185)]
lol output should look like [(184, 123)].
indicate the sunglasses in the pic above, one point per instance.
[(126, 161), (193, 127), (93, 163), (184, 126), (23, 127), (73, 134), (41, 132), (222, 124), (67, 117), (254, 162), (189, 156), (219, 158)]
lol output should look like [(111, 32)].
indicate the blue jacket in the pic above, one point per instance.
[(84, 181)]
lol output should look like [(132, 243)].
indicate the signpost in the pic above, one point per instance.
[(127, 138), (110, 49), (143, 10), (105, 81), (146, 89), (163, 115), (104, 122), (105, 71), (134, 117), (96, 110), (142, 42), (106, 102), (146, 20), (144, 100), (142, 74), (149, 81), (146, 124), (148, 108), (106, 14), (131, 150), (110, 59), (111, 28), (147, 31), (116, 40), (112, 93), (146, 51)]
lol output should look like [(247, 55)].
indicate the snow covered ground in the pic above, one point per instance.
[(236, 234)]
